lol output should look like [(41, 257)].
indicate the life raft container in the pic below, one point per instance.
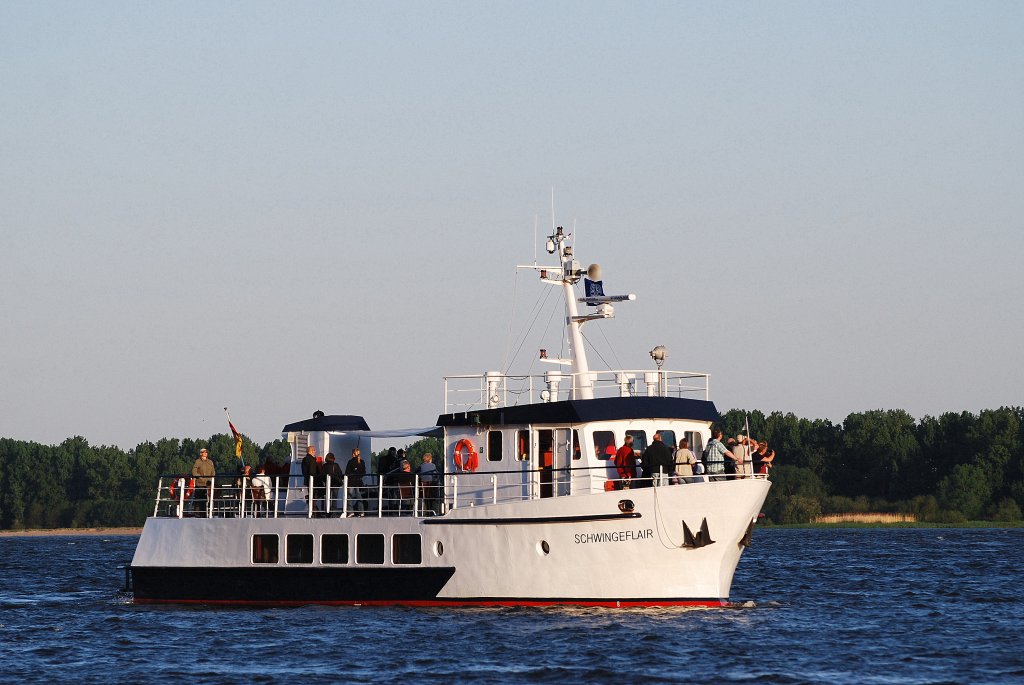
[(190, 486), (470, 462)]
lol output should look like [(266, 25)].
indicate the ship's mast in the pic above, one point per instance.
[(583, 382), (567, 275)]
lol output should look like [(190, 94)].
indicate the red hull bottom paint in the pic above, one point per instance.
[(608, 604)]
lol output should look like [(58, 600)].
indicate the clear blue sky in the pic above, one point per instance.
[(284, 207)]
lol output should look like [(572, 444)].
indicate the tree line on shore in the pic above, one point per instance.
[(946, 469)]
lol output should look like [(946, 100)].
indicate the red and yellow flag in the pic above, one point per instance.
[(238, 439)]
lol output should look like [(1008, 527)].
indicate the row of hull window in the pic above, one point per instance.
[(369, 549)]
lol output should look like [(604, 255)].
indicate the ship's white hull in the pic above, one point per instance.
[(564, 550)]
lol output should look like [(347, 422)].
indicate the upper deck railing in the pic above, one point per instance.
[(492, 390), (288, 496)]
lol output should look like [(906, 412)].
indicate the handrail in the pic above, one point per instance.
[(476, 391), (224, 498)]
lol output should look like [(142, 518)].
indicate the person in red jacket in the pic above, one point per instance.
[(625, 463)]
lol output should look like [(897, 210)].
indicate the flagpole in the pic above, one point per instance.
[(747, 452)]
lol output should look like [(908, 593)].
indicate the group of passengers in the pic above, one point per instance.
[(196, 491), (396, 473), (662, 465)]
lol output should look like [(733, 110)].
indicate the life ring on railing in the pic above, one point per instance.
[(471, 462), (190, 486)]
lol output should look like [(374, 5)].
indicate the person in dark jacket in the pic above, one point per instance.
[(405, 482), (333, 478), (311, 468), (355, 469), (657, 461), (387, 466)]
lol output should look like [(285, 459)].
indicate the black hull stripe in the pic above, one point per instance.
[(526, 521), (343, 586), (296, 585)]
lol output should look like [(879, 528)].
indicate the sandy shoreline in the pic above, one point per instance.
[(68, 531)]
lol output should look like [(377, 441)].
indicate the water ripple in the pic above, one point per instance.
[(885, 607)]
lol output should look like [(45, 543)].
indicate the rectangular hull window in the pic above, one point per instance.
[(264, 549), (369, 549), (300, 549), (405, 549), (334, 549)]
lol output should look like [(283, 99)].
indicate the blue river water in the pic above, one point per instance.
[(813, 606)]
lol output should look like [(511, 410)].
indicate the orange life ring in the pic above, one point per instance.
[(190, 486), (471, 463)]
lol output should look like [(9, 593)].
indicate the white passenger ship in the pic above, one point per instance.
[(529, 510)]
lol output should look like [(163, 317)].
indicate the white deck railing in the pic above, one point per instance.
[(472, 392), (180, 497)]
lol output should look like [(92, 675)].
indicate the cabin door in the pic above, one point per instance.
[(546, 461)]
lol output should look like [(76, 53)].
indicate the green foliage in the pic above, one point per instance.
[(1005, 510), (967, 490), (75, 485), (944, 469), (925, 507), (796, 495)]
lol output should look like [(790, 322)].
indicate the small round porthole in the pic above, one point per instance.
[(438, 549), (543, 548)]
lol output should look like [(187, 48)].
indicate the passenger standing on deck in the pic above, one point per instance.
[(242, 484), (715, 455), (405, 484), (763, 457), (333, 478), (428, 477), (387, 464), (625, 464), (204, 469), (744, 446), (260, 492), (311, 469), (685, 460), (355, 469), (657, 461)]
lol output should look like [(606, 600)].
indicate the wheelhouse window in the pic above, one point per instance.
[(494, 446), (523, 445), (300, 549), (604, 444), (696, 442), (369, 549), (264, 549), (669, 438), (639, 440), (334, 549), (405, 549), (577, 453)]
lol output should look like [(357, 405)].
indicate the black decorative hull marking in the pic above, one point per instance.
[(248, 585)]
